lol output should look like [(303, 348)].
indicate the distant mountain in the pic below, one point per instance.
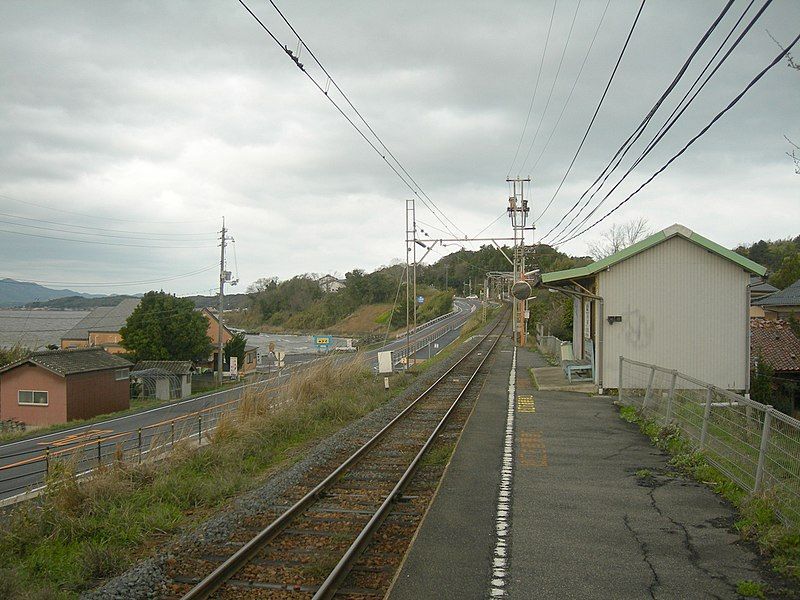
[(18, 293), (86, 302)]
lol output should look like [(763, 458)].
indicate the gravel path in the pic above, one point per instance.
[(147, 579)]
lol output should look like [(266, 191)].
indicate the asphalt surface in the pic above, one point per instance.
[(596, 512), (28, 476)]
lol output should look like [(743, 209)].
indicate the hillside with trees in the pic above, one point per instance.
[(781, 257)]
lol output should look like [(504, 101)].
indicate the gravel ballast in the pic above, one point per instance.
[(147, 579)]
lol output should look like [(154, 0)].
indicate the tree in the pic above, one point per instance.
[(164, 327), (788, 273), (619, 237), (235, 347)]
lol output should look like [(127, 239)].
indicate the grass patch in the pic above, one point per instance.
[(438, 456), (82, 532), (750, 589), (758, 517)]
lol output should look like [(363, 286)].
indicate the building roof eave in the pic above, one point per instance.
[(649, 242)]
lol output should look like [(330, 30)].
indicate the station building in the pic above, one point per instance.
[(674, 299)]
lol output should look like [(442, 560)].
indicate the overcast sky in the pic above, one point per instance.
[(151, 120)]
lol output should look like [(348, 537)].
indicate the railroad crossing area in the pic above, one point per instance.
[(549, 494)]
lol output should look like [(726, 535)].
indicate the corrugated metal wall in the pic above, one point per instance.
[(683, 308)]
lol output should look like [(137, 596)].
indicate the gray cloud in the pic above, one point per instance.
[(180, 112)]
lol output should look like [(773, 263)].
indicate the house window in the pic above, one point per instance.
[(32, 397), (121, 374)]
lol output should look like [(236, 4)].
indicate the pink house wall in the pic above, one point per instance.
[(32, 377)]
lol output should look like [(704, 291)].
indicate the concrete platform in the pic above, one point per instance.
[(552, 379), (595, 511)]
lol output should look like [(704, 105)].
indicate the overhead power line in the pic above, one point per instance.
[(394, 164), (93, 233), (572, 89), (592, 120), (535, 89), (639, 130), (702, 132), (552, 87), (672, 119), (100, 217), (63, 239)]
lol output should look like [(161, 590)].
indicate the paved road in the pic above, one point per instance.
[(28, 476), (582, 523)]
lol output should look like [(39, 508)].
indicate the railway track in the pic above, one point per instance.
[(344, 530)]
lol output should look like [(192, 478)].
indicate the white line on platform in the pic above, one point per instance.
[(500, 560)]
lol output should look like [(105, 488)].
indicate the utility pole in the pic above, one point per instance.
[(518, 210), (410, 241), (223, 277)]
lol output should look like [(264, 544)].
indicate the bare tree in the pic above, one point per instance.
[(792, 64), (618, 237)]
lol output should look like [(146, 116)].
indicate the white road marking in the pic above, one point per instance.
[(497, 589)]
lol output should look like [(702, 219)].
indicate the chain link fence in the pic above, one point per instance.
[(753, 444)]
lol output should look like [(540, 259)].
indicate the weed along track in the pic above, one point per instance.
[(343, 530)]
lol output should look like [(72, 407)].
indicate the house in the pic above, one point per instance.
[(329, 283), (759, 289), (162, 379), (674, 299), (56, 386), (213, 333), (775, 343), (100, 328), (250, 360), (783, 304)]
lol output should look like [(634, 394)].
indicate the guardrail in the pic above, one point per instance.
[(755, 445), (96, 448), (433, 321)]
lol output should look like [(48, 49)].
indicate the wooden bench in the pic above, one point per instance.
[(577, 370)]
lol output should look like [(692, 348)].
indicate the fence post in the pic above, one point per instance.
[(172, 431), (99, 453), (706, 416), (762, 452), (619, 381), (199, 429), (140, 444), (670, 396), (649, 392), (47, 460)]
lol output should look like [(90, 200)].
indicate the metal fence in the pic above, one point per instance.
[(755, 445), (94, 447)]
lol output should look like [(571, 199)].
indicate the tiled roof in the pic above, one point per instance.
[(175, 367), (70, 362), (775, 343), (760, 287), (103, 318), (786, 297)]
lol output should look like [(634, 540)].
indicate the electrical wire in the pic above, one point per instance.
[(572, 89), (535, 89), (107, 235), (592, 120), (63, 239), (103, 218), (409, 181), (674, 117), (552, 87), (637, 133), (716, 118)]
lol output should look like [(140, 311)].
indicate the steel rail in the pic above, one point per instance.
[(214, 580), (342, 568)]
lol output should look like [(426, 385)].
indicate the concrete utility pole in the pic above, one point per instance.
[(410, 243), (518, 210), (223, 277)]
